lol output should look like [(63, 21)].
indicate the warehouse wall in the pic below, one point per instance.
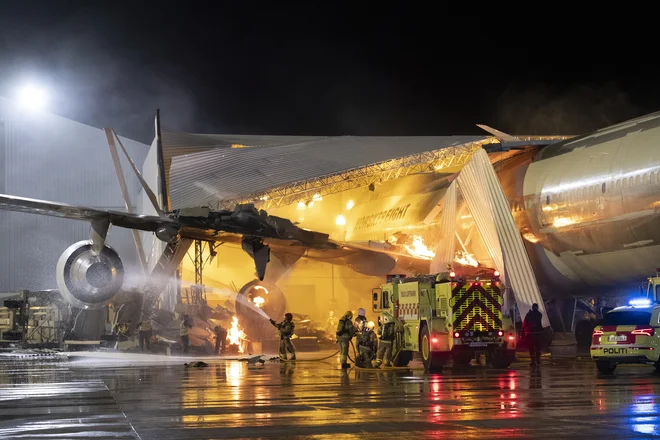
[(44, 156)]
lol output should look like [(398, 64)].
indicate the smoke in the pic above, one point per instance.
[(88, 80), (544, 109)]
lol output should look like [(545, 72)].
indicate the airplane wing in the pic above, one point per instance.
[(54, 209)]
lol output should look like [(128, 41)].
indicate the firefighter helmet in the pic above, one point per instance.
[(361, 312), (387, 318)]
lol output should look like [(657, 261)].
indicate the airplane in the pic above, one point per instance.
[(587, 208)]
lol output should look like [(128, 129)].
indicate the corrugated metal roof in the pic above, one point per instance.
[(199, 178)]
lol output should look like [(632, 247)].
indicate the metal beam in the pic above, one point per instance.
[(110, 135), (441, 160)]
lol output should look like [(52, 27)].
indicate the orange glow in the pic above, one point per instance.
[(341, 220), (419, 249), (236, 335), (560, 222), (350, 205), (258, 301), (530, 237), (465, 259), (317, 197), (301, 205)]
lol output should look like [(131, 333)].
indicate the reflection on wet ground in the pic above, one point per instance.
[(231, 399)]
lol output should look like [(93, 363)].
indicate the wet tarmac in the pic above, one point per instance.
[(92, 398)]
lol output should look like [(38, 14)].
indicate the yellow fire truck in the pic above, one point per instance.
[(447, 317)]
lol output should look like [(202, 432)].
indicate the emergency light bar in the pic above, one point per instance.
[(640, 302)]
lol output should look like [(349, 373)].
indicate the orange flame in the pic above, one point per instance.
[(419, 249), (466, 259), (258, 301), (236, 335)]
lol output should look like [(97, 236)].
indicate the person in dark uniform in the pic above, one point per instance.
[(183, 331), (367, 344), (220, 338), (345, 332), (145, 329), (286, 328), (532, 330)]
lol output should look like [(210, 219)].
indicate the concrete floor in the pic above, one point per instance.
[(151, 399)]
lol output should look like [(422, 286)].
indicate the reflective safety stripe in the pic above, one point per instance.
[(409, 311), (476, 307)]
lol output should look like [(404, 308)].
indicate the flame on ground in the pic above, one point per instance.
[(419, 249), (466, 259), (235, 335)]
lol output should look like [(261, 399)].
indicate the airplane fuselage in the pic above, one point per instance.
[(589, 208)]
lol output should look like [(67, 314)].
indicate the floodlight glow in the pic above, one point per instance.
[(640, 302), (32, 98)]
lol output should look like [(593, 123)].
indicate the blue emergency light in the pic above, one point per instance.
[(640, 302)]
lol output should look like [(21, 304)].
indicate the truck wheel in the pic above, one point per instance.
[(431, 360), (462, 359), (501, 360), (605, 367), (403, 359)]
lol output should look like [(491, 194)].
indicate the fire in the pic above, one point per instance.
[(235, 335), (466, 259), (419, 249), (258, 301)]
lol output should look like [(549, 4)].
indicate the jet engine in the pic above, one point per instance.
[(86, 279), (269, 298)]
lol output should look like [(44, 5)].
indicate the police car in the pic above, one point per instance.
[(628, 335)]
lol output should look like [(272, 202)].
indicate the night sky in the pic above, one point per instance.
[(287, 68)]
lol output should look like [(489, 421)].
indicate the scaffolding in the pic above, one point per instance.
[(196, 294)]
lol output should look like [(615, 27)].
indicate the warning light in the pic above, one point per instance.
[(511, 338), (500, 333), (497, 273), (641, 302), (456, 335), (452, 274), (434, 340)]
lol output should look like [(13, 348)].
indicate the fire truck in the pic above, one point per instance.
[(447, 318)]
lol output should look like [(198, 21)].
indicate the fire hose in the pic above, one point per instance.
[(312, 360)]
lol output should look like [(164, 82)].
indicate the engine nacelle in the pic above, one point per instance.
[(89, 281)]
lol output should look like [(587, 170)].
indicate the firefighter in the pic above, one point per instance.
[(387, 334), (121, 330), (286, 328), (532, 330), (345, 332), (361, 318), (144, 333), (367, 343), (220, 339), (183, 331)]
